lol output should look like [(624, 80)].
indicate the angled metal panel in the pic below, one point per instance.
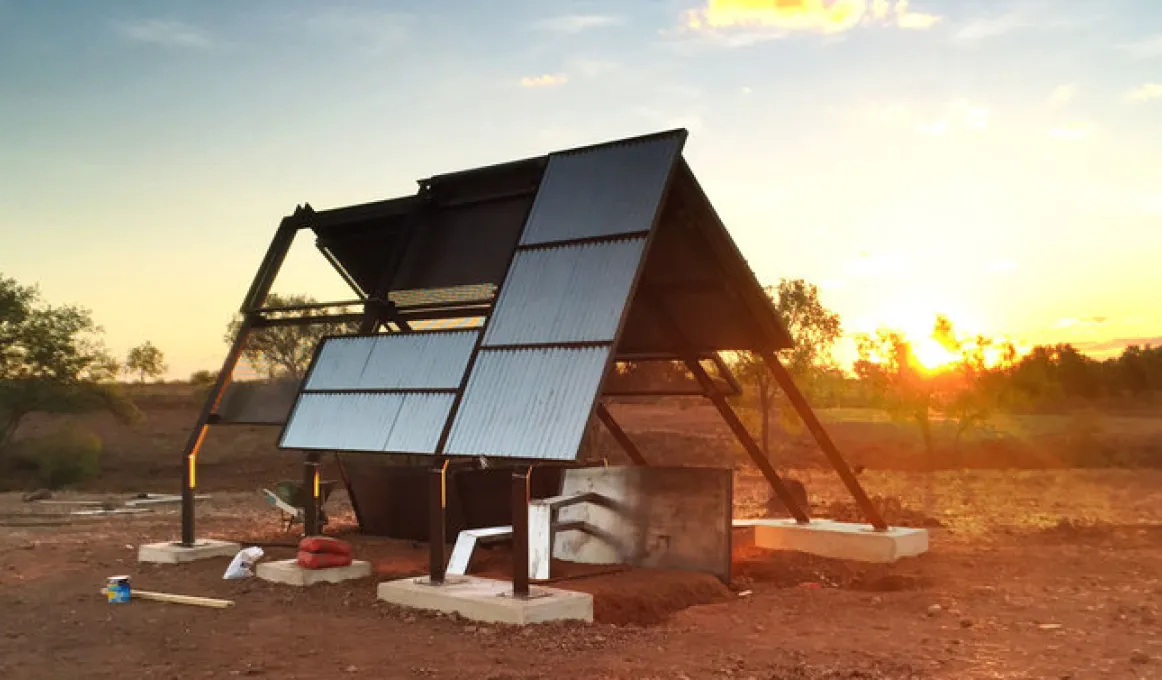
[(419, 423), (355, 421), (345, 422), (339, 364), (528, 403), (602, 191), (565, 294), (418, 360), (397, 361)]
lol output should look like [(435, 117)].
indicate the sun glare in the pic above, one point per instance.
[(931, 354)]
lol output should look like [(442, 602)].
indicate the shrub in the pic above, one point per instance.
[(62, 458)]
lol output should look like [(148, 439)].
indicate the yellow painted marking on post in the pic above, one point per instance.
[(193, 459)]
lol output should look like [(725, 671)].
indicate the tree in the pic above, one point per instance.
[(967, 390), (888, 367), (285, 351), (814, 330), (145, 360), (51, 361)]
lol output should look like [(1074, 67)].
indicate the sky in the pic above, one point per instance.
[(994, 161)]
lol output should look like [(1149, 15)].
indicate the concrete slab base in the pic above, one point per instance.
[(839, 540), (176, 553), (290, 573), (483, 599)]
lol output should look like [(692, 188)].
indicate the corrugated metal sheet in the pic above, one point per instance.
[(606, 190), (408, 423), (392, 361), (339, 363), (565, 294), (528, 403)]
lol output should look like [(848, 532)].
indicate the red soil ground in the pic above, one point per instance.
[(1032, 574)]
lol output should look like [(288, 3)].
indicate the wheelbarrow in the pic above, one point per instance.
[(289, 498)]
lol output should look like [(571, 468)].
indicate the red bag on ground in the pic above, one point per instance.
[(324, 545), (310, 560)]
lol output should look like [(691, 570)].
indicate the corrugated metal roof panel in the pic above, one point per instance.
[(417, 360), (339, 363), (528, 403), (565, 294), (420, 422), (392, 361), (606, 190), (354, 421)]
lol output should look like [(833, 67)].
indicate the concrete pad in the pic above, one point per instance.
[(176, 553), (840, 540), (290, 573), (483, 599)]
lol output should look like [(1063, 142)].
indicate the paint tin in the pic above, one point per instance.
[(117, 588)]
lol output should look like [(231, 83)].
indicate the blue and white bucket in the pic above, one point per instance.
[(118, 590)]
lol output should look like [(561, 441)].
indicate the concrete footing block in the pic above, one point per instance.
[(176, 553), (489, 600), (290, 573), (840, 540)]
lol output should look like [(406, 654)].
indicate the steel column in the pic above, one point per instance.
[(620, 436), (310, 494), (259, 289), (190, 453), (803, 408), (520, 532), (437, 522)]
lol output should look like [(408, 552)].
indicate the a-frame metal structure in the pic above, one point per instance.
[(570, 263)]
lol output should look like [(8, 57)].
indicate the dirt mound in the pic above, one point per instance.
[(620, 595), (893, 510), (793, 569), (647, 596)]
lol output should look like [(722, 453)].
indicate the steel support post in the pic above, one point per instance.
[(437, 522), (259, 288), (620, 436), (190, 453), (787, 384), (732, 420), (520, 532), (310, 494)]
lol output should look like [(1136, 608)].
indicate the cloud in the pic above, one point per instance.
[(372, 30), (671, 117), (546, 80), (163, 32), (1084, 322), (592, 68), (1062, 95), (743, 22), (991, 27), (877, 266), (1073, 131), (1147, 92), (1147, 48), (1117, 345), (576, 23), (1003, 266), (916, 21), (961, 113)]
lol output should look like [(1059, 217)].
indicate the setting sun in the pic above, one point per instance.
[(931, 354)]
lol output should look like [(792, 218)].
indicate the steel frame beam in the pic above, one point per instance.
[(521, 478), (620, 436), (732, 420), (807, 414), (259, 289), (437, 522)]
